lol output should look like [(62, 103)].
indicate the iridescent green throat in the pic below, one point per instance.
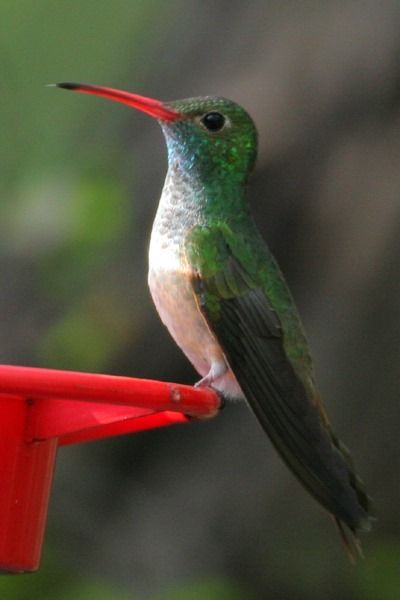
[(211, 168)]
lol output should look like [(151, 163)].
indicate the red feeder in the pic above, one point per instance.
[(41, 409)]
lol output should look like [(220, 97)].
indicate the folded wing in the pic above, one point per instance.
[(250, 332)]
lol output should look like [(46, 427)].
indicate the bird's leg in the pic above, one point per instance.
[(218, 368)]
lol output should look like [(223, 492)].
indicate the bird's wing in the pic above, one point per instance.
[(250, 333)]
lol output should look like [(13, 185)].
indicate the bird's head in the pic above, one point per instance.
[(209, 137)]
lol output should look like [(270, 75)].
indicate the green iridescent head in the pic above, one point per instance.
[(214, 138)]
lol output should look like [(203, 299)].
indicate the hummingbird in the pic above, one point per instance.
[(224, 300)]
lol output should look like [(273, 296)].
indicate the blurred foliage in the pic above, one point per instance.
[(53, 581), (205, 511), (92, 329), (378, 577), (92, 222), (212, 589)]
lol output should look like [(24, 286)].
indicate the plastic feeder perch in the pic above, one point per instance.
[(41, 409)]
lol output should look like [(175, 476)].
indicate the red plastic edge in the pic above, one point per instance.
[(41, 409)]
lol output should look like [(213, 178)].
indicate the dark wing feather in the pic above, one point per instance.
[(249, 331)]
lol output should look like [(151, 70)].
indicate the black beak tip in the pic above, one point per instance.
[(66, 85)]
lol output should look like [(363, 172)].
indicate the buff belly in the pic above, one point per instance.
[(175, 301)]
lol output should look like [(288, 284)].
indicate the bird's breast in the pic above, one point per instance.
[(170, 282), (171, 289)]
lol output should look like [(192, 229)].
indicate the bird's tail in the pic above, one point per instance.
[(351, 541), (349, 536)]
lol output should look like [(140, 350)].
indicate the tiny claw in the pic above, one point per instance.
[(216, 371), (206, 381)]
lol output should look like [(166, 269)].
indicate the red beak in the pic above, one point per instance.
[(152, 107)]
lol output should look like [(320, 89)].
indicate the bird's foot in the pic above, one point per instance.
[(206, 381), (216, 371)]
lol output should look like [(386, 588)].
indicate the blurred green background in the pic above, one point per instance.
[(206, 510)]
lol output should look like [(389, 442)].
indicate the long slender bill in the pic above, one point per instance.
[(152, 107)]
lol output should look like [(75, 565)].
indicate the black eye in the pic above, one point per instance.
[(213, 121)]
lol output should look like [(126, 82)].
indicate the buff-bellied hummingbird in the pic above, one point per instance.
[(225, 302)]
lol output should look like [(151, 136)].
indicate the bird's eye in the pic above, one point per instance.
[(213, 121)]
